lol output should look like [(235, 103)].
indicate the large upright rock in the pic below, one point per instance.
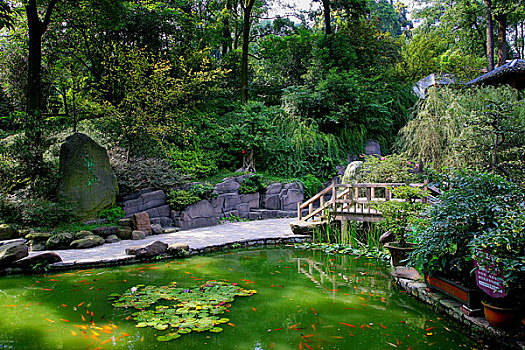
[(86, 178)]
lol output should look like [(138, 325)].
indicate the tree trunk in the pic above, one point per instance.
[(226, 31), (327, 17), (246, 25), (490, 35), (36, 29), (502, 38)]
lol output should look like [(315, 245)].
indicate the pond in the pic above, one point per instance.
[(304, 300)]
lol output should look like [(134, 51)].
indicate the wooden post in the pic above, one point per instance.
[(334, 197), (424, 199), (299, 211)]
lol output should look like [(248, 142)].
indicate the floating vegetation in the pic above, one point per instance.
[(191, 310)]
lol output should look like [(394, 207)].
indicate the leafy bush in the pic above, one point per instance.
[(34, 211), (112, 214), (141, 173), (392, 168), (252, 184), (312, 185), (505, 242), (472, 204), (480, 128), (398, 215), (180, 199)]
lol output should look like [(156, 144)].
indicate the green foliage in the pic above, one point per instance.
[(197, 163), (33, 211), (196, 309), (312, 185), (112, 214), (504, 241), (471, 205), (479, 128), (252, 184), (143, 173), (181, 198), (402, 214), (391, 168)]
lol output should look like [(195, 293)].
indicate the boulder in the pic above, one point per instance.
[(112, 239), (125, 233), (156, 229), (172, 230), (252, 199), (9, 241), (217, 205), (8, 232), (178, 249), (272, 201), (351, 172), (87, 242), (162, 221), (227, 186), (86, 179), (274, 188), (201, 209), (12, 252), (230, 201), (372, 148), (141, 223), (60, 240), (128, 222), (39, 259), (38, 236), (243, 209), (306, 228), (82, 234), (290, 200), (105, 231), (149, 250), (37, 246), (137, 235)]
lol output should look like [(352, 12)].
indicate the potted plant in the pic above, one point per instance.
[(499, 252), (468, 207), (399, 217)]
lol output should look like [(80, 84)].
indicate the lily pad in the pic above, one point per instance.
[(195, 309)]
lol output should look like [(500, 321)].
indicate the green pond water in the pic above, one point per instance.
[(305, 300)]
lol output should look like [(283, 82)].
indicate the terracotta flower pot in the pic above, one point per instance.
[(500, 317), (399, 254)]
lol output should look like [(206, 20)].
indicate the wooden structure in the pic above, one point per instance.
[(511, 73), (352, 202)]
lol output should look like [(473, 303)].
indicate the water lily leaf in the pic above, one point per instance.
[(216, 330)]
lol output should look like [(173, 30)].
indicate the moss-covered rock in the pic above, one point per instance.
[(87, 242), (86, 177), (60, 240)]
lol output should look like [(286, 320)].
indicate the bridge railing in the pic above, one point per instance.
[(352, 199)]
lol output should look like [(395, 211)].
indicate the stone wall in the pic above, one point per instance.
[(279, 200)]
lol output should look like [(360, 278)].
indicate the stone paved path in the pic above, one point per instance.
[(196, 239)]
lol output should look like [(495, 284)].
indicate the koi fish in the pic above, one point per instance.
[(381, 325), (348, 324), (295, 325)]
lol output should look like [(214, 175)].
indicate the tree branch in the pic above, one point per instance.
[(47, 17)]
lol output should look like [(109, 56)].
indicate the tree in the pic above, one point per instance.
[(247, 7), (6, 19), (37, 28)]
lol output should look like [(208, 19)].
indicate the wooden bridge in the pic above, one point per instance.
[(354, 202)]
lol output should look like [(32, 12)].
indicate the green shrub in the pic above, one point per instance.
[(470, 206), (142, 173), (312, 185), (252, 184), (180, 199), (392, 168), (112, 214), (397, 215), (34, 211)]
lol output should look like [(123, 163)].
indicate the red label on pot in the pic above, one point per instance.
[(488, 281)]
